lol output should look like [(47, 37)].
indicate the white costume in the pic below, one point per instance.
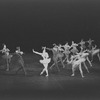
[(6, 55), (46, 60), (77, 60)]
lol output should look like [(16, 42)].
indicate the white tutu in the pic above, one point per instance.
[(45, 61)]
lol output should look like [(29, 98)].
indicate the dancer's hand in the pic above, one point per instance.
[(33, 50)]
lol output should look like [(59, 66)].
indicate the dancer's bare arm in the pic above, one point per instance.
[(36, 52)]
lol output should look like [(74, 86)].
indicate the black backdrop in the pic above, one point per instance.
[(34, 23)]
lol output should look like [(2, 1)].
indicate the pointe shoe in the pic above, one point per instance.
[(41, 73), (47, 75), (83, 76), (72, 75), (7, 69)]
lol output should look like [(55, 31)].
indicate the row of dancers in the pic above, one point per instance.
[(75, 54), (70, 54)]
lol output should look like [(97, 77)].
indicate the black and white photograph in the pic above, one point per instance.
[(49, 50)]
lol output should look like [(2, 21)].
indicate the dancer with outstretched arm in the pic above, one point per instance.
[(45, 61)]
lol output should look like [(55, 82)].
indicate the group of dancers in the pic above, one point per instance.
[(75, 54)]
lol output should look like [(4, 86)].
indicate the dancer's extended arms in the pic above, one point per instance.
[(49, 49), (36, 52)]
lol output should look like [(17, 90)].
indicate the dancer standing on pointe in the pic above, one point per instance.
[(45, 61)]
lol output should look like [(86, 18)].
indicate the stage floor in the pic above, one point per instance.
[(58, 86)]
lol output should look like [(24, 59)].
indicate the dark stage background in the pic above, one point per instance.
[(35, 23)]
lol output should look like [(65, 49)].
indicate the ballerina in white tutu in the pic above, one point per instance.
[(46, 60), (7, 56)]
